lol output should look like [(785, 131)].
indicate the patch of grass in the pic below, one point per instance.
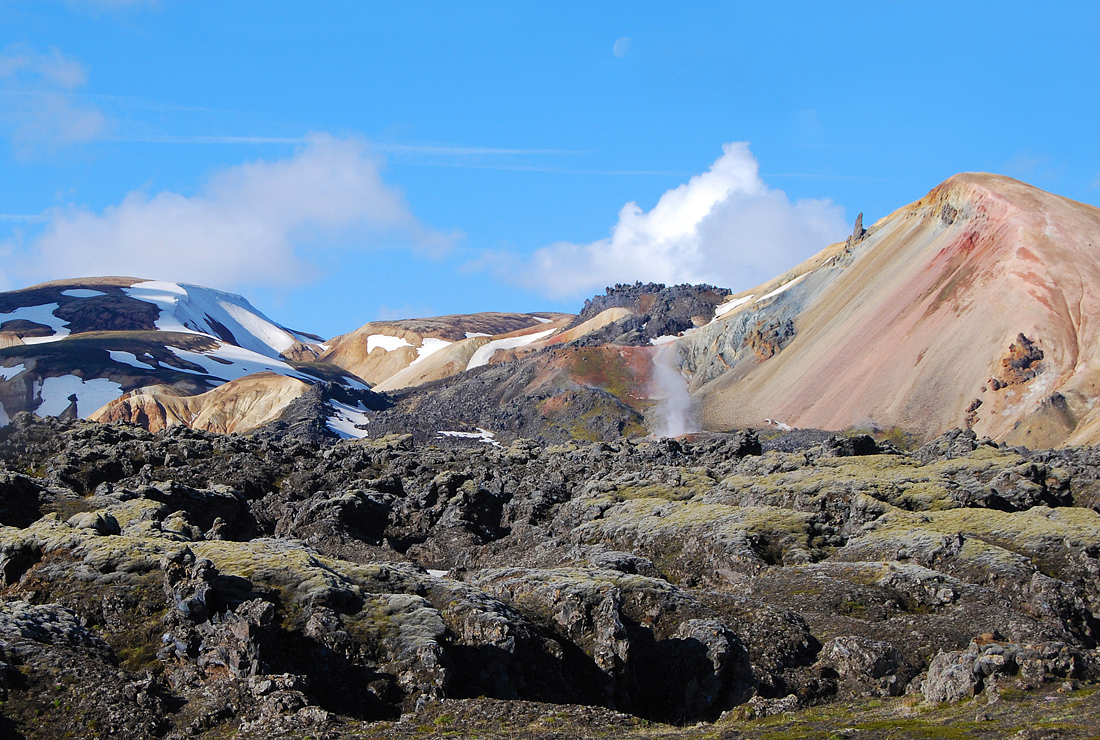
[(139, 657), (853, 609)]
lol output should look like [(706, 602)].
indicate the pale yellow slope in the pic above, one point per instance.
[(356, 352), (237, 406)]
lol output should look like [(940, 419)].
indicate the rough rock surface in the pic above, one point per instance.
[(657, 310), (186, 583)]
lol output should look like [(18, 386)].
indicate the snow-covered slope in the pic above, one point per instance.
[(52, 311), (230, 317), (68, 348), (399, 354)]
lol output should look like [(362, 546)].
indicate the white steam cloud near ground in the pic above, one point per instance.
[(241, 228), (675, 410), (725, 227)]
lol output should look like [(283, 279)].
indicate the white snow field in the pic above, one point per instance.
[(386, 342), (91, 395), (485, 352), (82, 293), (345, 417), (481, 434), (728, 306), (129, 358), (782, 288), (229, 362), (196, 310), (40, 315), (428, 347)]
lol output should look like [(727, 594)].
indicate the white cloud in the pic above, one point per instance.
[(38, 104), (724, 227), (241, 229)]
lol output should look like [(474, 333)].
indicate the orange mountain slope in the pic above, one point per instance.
[(976, 306)]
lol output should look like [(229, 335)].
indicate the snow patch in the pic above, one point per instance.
[(128, 358), (82, 293), (782, 288), (437, 573), (7, 373), (472, 334), (229, 362), (541, 320), (428, 347), (299, 336), (345, 417), (353, 383), (666, 339), (40, 315), (728, 306), (91, 395), (193, 309), (386, 342), (781, 426), (483, 434), (485, 352)]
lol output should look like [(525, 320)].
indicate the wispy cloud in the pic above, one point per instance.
[(114, 4), (466, 150), (550, 170), (385, 148), (1034, 168), (724, 226), (39, 105), (171, 139), (433, 155), (24, 218), (244, 228)]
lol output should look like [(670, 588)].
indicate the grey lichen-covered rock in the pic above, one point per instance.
[(272, 585), (956, 675), (865, 667)]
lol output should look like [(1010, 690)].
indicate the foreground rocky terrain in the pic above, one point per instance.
[(190, 584)]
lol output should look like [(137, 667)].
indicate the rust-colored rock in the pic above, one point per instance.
[(1022, 363)]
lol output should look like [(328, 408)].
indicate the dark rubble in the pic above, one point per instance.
[(186, 584)]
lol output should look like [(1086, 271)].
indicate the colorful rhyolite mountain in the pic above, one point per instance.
[(976, 306)]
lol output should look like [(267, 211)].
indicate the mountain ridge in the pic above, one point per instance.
[(971, 307)]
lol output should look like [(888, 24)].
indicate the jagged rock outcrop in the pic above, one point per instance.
[(654, 310), (269, 584)]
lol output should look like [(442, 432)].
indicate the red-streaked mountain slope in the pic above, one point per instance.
[(978, 305)]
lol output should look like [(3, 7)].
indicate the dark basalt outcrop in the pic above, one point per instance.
[(191, 584), (521, 398), (659, 310)]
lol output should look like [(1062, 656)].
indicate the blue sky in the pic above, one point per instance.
[(340, 162)]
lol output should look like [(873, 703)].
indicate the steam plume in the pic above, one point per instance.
[(675, 410)]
